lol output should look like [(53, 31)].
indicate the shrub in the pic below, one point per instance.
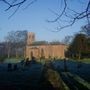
[(2, 58)]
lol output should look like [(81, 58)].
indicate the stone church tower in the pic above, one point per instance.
[(43, 50), (30, 38)]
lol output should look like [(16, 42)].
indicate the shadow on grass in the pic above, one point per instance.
[(30, 75)]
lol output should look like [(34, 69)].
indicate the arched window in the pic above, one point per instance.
[(42, 53)]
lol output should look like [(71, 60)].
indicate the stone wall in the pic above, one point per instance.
[(57, 51), (46, 50)]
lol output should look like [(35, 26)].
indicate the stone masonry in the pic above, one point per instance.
[(47, 50)]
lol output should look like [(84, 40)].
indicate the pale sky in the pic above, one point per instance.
[(34, 19)]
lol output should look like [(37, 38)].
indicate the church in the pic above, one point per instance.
[(45, 50)]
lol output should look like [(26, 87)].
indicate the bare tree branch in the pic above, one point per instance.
[(14, 12), (67, 12), (87, 9), (60, 15), (30, 4), (17, 4), (6, 2), (73, 17)]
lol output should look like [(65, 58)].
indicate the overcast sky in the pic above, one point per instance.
[(34, 19)]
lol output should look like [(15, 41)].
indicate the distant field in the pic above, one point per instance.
[(85, 61), (12, 60)]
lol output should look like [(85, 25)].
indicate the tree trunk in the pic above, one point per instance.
[(79, 56), (24, 52), (16, 54), (65, 65), (8, 54)]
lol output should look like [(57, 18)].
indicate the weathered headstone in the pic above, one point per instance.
[(9, 67), (15, 67)]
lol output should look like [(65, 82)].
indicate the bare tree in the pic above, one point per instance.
[(9, 40), (16, 4), (67, 40), (68, 13), (86, 30), (16, 41)]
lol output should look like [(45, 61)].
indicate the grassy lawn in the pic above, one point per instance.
[(85, 61), (12, 60)]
